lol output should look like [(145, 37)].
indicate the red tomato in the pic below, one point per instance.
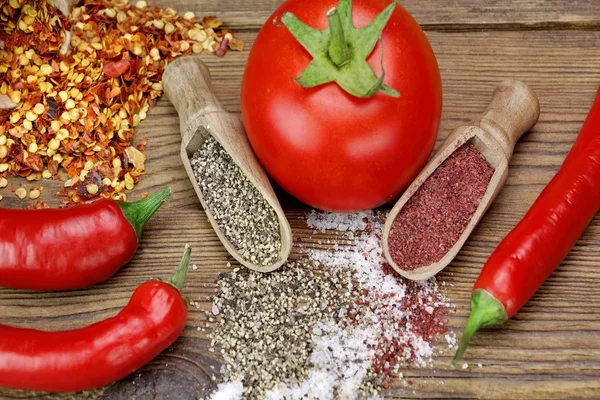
[(326, 147)]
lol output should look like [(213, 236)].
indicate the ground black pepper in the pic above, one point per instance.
[(266, 321), (244, 216)]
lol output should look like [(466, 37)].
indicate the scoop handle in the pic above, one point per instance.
[(186, 82), (513, 110)]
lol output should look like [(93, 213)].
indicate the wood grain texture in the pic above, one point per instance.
[(440, 15), (550, 350)]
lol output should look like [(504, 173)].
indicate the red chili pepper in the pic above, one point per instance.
[(540, 242), (115, 69), (101, 353), (69, 248)]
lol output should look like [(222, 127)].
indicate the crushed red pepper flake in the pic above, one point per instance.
[(435, 217), (78, 112)]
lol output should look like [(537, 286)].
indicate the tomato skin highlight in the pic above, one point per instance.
[(324, 146)]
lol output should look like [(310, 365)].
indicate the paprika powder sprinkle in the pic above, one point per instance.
[(79, 112), (433, 219)]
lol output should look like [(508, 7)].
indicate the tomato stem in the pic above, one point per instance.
[(486, 310), (139, 212), (180, 273), (339, 52)]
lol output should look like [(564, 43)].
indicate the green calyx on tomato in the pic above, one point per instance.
[(340, 51)]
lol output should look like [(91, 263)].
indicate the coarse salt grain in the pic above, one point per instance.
[(228, 391)]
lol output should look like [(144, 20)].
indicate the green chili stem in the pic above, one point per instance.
[(486, 310), (139, 212), (339, 52), (180, 273)]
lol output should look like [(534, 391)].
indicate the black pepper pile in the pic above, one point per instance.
[(244, 216), (267, 320)]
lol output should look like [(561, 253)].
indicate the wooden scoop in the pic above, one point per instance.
[(186, 82), (63, 6), (514, 110)]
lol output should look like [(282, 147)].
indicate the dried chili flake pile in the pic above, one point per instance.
[(349, 323), (78, 112)]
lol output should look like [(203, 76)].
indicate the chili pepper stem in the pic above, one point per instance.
[(486, 310), (139, 212), (180, 273)]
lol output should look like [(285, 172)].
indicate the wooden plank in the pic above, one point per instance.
[(552, 348), (441, 15)]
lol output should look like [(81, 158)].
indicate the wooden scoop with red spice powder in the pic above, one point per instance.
[(435, 216)]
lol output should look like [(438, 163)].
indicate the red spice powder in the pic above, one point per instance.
[(431, 222)]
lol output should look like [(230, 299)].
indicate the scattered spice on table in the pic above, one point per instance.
[(78, 113), (350, 322), (435, 217), (246, 219), (267, 321)]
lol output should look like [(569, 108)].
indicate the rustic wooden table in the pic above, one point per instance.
[(550, 350)]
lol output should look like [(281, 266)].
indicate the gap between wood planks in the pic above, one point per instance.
[(512, 27), (478, 27)]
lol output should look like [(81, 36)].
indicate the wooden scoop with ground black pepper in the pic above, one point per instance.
[(230, 183), (436, 214)]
